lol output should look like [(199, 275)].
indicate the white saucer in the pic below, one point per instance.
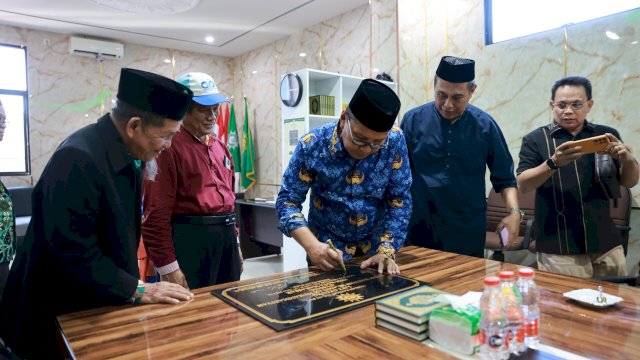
[(589, 297)]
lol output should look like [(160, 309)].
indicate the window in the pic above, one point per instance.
[(14, 148), (509, 19)]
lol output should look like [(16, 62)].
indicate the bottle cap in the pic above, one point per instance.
[(507, 275), (491, 280), (525, 272)]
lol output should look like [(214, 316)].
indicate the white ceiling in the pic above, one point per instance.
[(237, 26)]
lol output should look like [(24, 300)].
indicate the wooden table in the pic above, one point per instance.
[(208, 328)]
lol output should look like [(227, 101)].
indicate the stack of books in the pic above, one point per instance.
[(408, 312), (322, 105)]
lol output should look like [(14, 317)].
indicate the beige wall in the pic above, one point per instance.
[(514, 77), (63, 88), (354, 43), (402, 38)]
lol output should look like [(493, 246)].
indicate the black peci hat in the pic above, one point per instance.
[(154, 93), (375, 105), (456, 70)]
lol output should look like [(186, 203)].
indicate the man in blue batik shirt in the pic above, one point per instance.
[(358, 172), (450, 144)]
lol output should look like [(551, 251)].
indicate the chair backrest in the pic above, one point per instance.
[(496, 210), (620, 211)]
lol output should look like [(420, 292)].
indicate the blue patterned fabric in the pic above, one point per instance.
[(355, 203)]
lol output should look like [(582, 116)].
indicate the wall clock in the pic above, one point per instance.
[(291, 90)]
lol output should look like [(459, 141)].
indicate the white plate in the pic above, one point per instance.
[(590, 296)]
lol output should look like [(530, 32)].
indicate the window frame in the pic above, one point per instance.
[(25, 101), (488, 23)]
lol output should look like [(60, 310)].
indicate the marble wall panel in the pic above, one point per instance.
[(414, 73), (514, 77), (343, 44), (384, 38), (256, 79), (67, 92)]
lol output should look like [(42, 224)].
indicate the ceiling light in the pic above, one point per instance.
[(167, 61), (611, 35), (254, 72), (302, 54), (155, 7), (209, 39), (634, 42)]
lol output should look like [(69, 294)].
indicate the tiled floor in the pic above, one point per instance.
[(261, 266)]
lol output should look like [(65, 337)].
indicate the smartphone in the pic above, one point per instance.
[(503, 234), (593, 144)]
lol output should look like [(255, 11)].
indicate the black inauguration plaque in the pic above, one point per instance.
[(294, 300)]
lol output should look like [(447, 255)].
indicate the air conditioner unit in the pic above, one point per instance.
[(92, 48)]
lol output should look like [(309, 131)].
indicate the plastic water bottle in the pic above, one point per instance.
[(530, 307), (493, 321), (513, 309)]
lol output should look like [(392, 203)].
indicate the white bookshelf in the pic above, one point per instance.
[(297, 121)]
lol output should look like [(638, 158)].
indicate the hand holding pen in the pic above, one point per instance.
[(330, 243)]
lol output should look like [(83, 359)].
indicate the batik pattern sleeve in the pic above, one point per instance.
[(7, 226), (296, 181), (397, 200)]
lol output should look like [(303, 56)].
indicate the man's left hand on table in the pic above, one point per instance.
[(382, 263)]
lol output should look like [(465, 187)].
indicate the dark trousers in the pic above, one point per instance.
[(437, 233), (207, 254)]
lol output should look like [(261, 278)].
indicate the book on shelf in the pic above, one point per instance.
[(322, 105), (419, 336), (414, 306)]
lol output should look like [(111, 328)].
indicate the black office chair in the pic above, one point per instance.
[(620, 210), (496, 211)]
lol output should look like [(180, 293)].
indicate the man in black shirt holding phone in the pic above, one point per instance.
[(575, 234)]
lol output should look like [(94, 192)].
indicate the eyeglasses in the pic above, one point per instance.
[(360, 143), (574, 106)]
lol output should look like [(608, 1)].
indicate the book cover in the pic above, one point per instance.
[(314, 105), (402, 331), (414, 305), (418, 328)]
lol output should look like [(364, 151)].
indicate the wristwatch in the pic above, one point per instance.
[(551, 164), (138, 294), (518, 210)]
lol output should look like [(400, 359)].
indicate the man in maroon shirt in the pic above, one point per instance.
[(188, 225)]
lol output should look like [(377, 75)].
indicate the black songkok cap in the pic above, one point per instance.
[(375, 105), (154, 93), (456, 70)]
